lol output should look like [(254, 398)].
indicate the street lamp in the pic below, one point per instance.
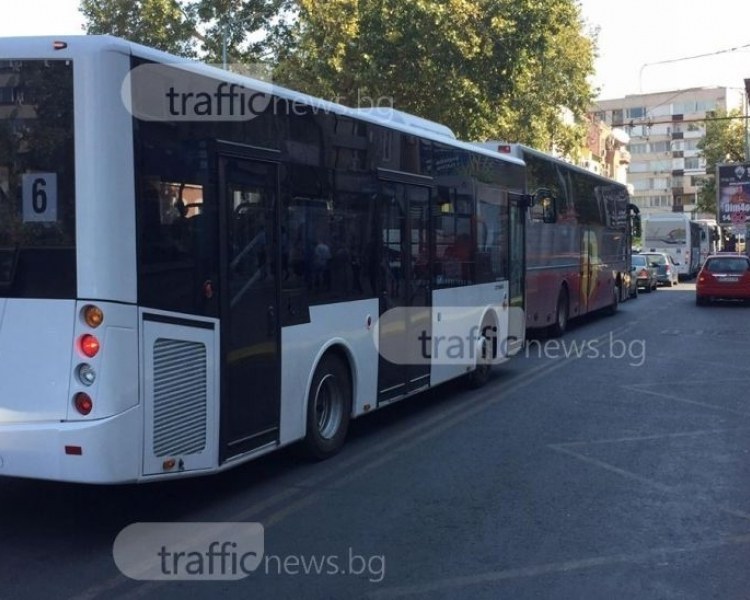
[(225, 38)]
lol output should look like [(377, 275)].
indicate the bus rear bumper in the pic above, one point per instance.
[(101, 451)]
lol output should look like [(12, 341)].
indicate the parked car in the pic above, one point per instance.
[(723, 277), (666, 268), (644, 273)]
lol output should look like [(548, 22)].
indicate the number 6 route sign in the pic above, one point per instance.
[(39, 197)]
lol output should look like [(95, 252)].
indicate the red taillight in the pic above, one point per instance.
[(89, 345), (83, 403)]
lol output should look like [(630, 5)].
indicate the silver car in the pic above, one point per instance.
[(666, 268), (644, 273)]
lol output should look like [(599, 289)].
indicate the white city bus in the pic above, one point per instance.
[(186, 286), (710, 238), (674, 234)]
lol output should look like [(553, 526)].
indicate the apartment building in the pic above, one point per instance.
[(605, 152), (665, 169)]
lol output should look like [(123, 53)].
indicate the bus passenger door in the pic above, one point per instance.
[(590, 290), (405, 317), (250, 333), (517, 279)]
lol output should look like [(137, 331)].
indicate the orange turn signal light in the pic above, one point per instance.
[(92, 315)]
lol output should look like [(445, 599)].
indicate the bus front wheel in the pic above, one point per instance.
[(328, 408), (481, 373)]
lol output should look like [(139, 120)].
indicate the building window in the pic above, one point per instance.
[(659, 146), (636, 112)]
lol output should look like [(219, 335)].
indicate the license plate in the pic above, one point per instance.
[(730, 279)]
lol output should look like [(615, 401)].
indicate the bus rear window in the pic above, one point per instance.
[(37, 186)]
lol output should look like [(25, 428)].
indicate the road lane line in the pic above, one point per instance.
[(657, 436), (699, 501), (613, 469), (442, 585), (644, 390)]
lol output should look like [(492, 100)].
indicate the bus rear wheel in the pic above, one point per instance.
[(328, 408), (561, 315)]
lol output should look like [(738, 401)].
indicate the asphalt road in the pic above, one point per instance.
[(620, 469)]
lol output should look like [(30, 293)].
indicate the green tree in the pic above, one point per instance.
[(251, 29), (502, 69), (161, 24), (724, 142)]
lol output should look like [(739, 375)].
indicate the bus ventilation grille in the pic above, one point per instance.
[(180, 397)]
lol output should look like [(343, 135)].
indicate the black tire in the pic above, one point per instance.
[(634, 295), (561, 315), (701, 301), (328, 408), (647, 289), (612, 308), (481, 373)]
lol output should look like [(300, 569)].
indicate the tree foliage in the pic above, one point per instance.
[(724, 142), (160, 24), (489, 69), (251, 29), (486, 68)]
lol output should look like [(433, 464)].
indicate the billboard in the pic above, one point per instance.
[(733, 194)]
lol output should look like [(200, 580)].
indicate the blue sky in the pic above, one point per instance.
[(633, 35)]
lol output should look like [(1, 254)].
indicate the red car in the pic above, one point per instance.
[(723, 277)]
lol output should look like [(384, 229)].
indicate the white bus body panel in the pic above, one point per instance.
[(105, 181), (302, 347), (38, 450), (37, 416), (36, 344), (457, 316)]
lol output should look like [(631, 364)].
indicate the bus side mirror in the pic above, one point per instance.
[(544, 206), (636, 226)]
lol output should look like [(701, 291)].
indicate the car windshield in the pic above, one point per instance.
[(659, 259), (737, 264)]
